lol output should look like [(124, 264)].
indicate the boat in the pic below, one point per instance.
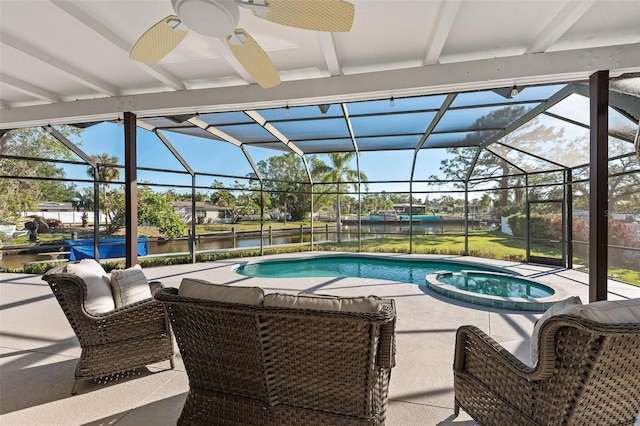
[(384, 216)]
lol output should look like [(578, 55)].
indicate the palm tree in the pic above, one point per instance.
[(106, 174), (83, 200), (338, 172)]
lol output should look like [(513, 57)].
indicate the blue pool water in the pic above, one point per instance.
[(496, 285), (407, 271)]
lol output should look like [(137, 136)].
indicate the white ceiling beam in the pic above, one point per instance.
[(156, 71), (448, 12), (329, 51), (68, 70), (560, 24), (162, 75), (29, 89), (275, 132), (196, 121), (540, 68)]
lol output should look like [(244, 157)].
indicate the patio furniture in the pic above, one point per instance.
[(114, 341), (253, 364), (588, 373)]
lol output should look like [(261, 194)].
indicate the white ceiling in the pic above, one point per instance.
[(67, 61)]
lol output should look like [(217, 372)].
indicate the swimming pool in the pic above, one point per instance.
[(464, 281), (406, 271)]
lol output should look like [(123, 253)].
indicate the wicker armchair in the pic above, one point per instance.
[(588, 374), (114, 342), (258, 365)]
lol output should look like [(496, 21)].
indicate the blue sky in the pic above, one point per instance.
[(209, 156)]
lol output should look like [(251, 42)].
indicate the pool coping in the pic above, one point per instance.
[(540, 304)]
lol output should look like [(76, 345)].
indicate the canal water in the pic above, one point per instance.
[(320, 234)]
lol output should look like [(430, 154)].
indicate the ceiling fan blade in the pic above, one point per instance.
[(253, 58), (323, 15), (158, 41)]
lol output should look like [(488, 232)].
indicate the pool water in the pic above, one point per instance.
[(496, 285), (406, 271)]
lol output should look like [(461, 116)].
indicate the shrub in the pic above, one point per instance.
[(542, 226), (620, 233)]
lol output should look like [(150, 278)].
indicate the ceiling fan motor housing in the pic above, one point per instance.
[(213, 18)]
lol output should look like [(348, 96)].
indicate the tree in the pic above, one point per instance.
[(113, 207), (247, 202), (337, 173), (200, 196), (376, 202), (107, 174), (54, 190), (623, 187), (489, 165), (485, 202), (287, 183), (156, 209), (23, 189), (83, 201)]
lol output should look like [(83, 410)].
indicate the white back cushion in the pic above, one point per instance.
[(608, 311), (554, 310), (202, 289), (324, 303), (99, 297), (129, 286)]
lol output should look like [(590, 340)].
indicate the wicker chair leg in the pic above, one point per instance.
[(75, 387), (173, 365), (456, 408)]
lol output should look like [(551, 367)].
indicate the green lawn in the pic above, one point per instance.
[(500, 246), (44, 238)]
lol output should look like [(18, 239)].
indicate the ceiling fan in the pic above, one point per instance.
[(219, 18)]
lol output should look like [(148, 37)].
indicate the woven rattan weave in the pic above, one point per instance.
[(256, 365), (588, 374), (114, 342)]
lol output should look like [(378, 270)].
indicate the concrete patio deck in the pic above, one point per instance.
[(38, 349)]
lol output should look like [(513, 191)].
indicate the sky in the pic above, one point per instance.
[(209, 156), (401, 122)]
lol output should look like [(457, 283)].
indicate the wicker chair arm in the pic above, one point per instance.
[(155, 286), (471, 342), (386, 343), (165, 293)]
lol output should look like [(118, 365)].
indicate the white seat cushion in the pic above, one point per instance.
[(129, 286), (99, 298), (202, 289), (324, 303), (556, 309)]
